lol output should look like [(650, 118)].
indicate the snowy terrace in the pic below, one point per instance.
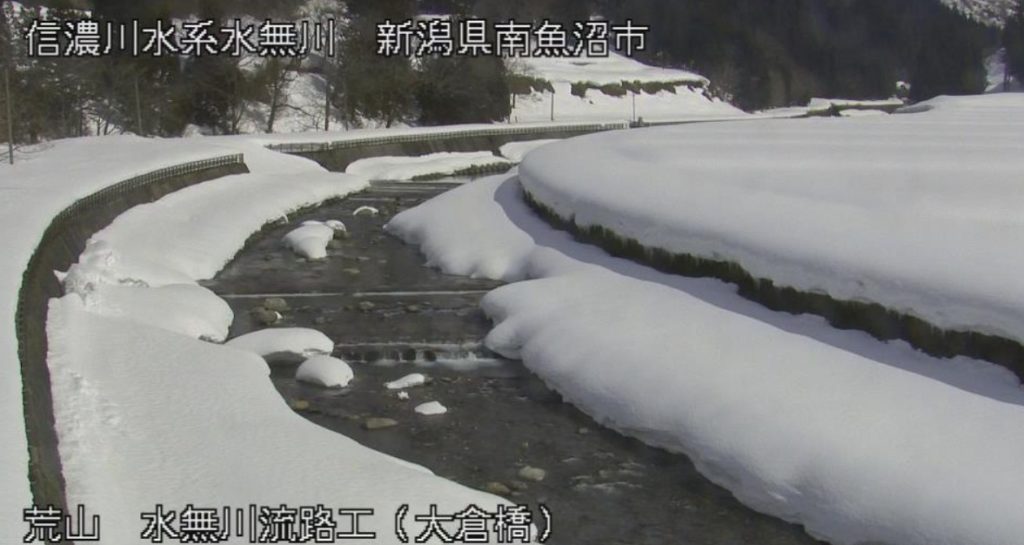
[(859, 441)]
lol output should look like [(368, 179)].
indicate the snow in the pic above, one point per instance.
[(325, 371), (613, 68), (371, 210), (145, 412), (408, 381), (284, 344), (310, 240), (191, 234), (157, 249), (561, 73), (827, 428), (871, 209), (819, 105), (337, 225), (34, 190), (187, 309), (515, 151), (861, 113), (407, 168), (431, 408), (150, 417)]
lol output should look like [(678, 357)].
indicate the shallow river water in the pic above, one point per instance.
[(391, 315)]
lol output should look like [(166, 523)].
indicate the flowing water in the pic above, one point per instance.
[(391, 315)]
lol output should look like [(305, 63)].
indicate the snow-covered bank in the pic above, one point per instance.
[(433, 164), (858, 440), (919, 213), (32, 192), (159, 418), (515, 151)]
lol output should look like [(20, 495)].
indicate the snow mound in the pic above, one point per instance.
[(408, 381), (407, 168), (919, 213), (187, 309), (486, 248), (337, 225), (284, 344), (515, 151), (325, 371), (431, 408), (310, 240)]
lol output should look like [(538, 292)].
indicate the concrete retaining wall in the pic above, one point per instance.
[(878, 321)]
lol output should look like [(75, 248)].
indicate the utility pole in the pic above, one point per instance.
[(552, 105), (10, 121), (634, 107)]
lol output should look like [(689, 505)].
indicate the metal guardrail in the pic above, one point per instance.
[(145, 179), (311, 147)]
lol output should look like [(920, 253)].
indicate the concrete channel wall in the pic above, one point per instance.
[(65, 238)]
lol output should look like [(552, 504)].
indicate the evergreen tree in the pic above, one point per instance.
[(374, 86), (949, 61), (462, 89), (1013, 42)]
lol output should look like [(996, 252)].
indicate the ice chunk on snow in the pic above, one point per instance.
[(431, 408), (408, 381), (310, 240), (366, 210), (285, 344), (325, 371), (403, 395), (337, 225)]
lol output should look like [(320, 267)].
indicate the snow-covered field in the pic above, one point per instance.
[(917, 212), (432, 164), (860, 441), (562, 73)]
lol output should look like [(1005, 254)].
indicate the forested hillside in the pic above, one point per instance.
[(756, 53)]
